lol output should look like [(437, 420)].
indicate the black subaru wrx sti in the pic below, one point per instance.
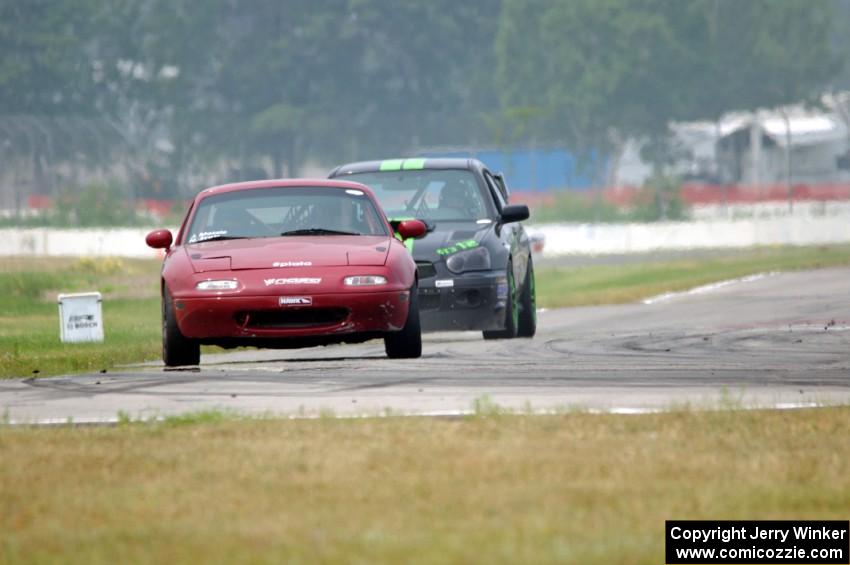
[(474, 264)]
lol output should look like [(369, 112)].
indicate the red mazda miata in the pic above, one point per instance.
[(285, 264)]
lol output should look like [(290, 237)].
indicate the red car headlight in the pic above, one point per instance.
[(226, 284), (365, 280)]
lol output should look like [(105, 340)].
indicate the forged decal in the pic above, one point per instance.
[(297, 280), (459, 246), (292, 264)]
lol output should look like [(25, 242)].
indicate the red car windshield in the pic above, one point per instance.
[(276, 212)]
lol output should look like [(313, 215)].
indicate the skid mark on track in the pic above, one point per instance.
[(704, 289)]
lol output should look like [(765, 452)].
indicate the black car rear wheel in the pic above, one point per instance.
[(528, 305), (511, 312), (177, 350), (407, 343)]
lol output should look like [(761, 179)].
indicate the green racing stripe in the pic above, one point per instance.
[(413, 164), (402, 164), (391, 165)]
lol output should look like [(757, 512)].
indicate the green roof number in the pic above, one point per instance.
[(413, 164), (391, 165), (458, 246)]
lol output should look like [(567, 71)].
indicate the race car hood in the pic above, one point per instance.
[(446, 236), (273, 252)]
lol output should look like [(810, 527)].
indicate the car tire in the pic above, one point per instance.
[(177, 350), (511, 311), (528, 305), (407, 343)]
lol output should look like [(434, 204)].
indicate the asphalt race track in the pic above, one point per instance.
[(781, 340)]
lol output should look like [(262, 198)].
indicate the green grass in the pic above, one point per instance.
[(29, 325), (629, 282), (574, 488)]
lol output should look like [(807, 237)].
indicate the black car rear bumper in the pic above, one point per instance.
[(471, 301)]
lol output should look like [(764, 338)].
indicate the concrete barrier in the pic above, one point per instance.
[(95, 242), (599, 239), (561, 239)]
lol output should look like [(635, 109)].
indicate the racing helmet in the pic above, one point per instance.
[(458, 195)]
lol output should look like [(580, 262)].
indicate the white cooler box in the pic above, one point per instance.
[(80, 317)]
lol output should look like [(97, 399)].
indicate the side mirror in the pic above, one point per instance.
[(515, 213), (159, 239), (411, 229)]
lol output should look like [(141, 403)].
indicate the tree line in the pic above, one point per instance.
[(183, 84)]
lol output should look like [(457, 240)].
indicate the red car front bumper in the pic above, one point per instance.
[(265, 316)]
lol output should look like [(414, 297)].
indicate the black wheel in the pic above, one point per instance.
[(528, 305), (511, 312), (407, 343), (177, 350)]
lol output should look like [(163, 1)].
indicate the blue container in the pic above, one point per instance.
[(535, 170)]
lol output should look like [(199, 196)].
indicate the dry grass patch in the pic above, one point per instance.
[(579, 488)]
